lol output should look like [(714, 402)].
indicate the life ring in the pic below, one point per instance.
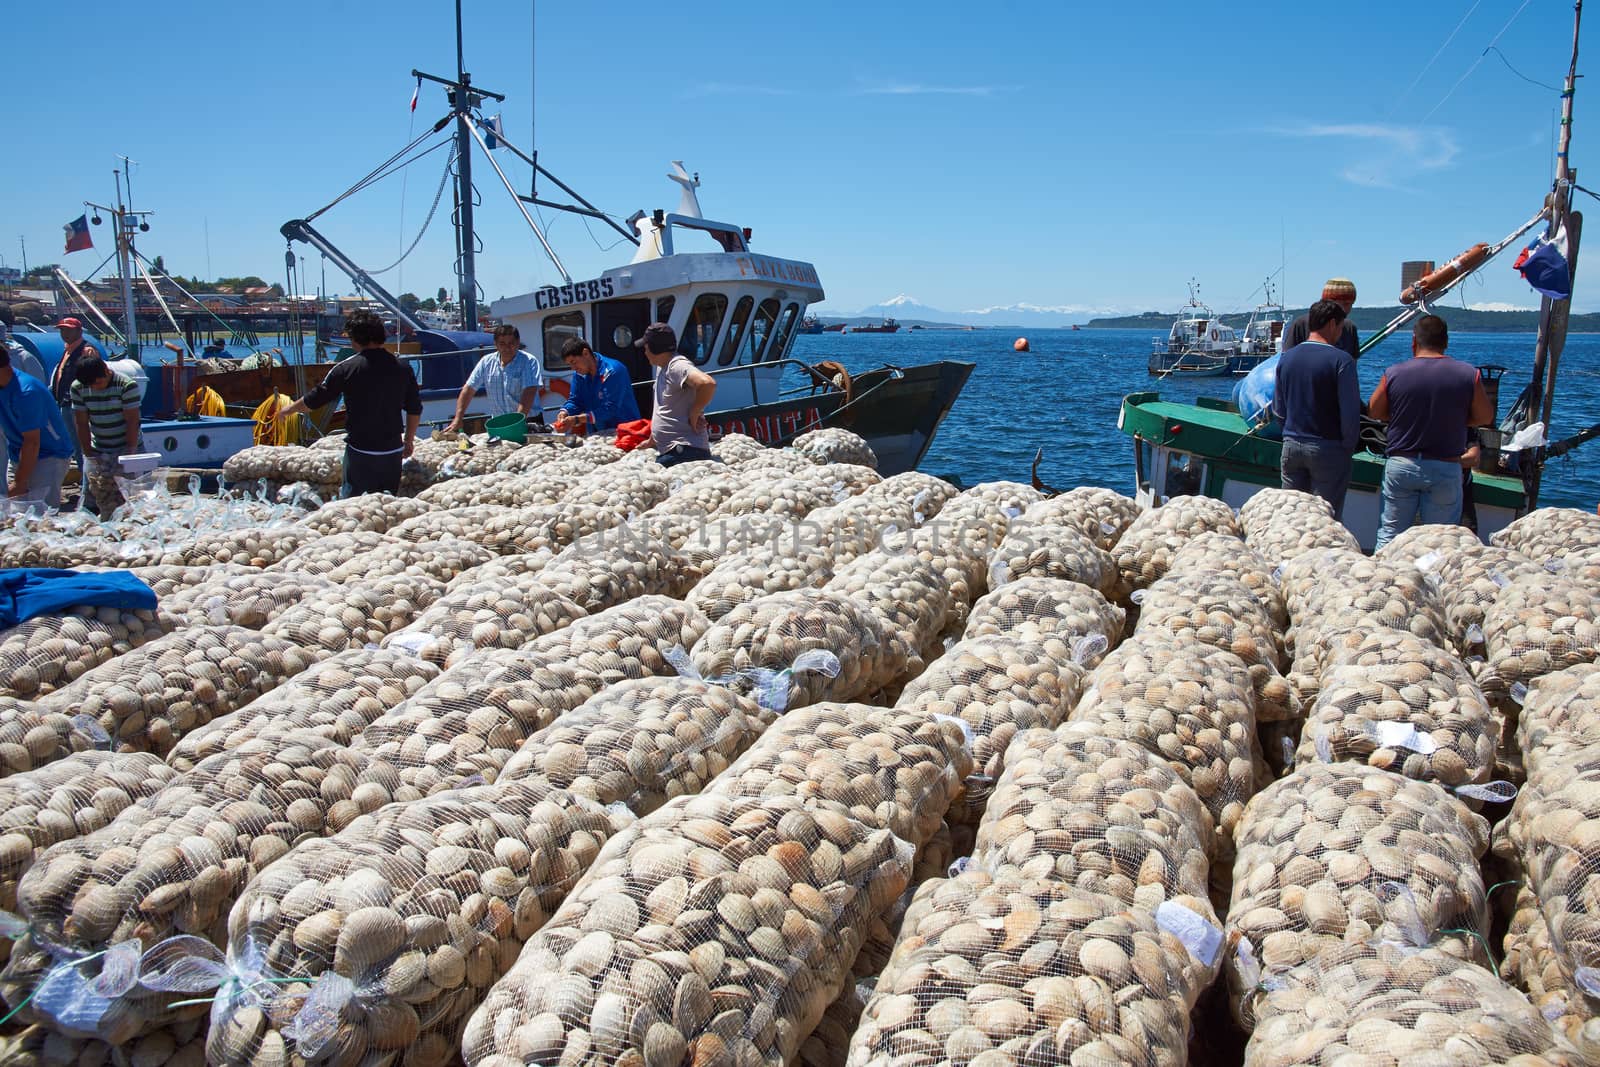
[(833, 373), (1462, 265)]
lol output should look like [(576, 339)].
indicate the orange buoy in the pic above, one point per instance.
[(1464, 264), (1019, 345)]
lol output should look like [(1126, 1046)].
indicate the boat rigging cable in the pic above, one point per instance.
[(477, 135), (444, 179), (89, 305), (384, 169), (232, 333), (138, 261), (1476, 62)]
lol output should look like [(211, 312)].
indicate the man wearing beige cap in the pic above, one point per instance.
[(1341, 291)]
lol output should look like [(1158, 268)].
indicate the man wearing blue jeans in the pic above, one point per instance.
[(1429, 402), (1318, 400)]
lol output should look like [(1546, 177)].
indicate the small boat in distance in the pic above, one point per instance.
[(833, 327), (887, 326), (1262, 336), (811, 324), (1196, 332)]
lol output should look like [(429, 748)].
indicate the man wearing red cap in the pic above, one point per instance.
[(1341, 291), (77, 351)]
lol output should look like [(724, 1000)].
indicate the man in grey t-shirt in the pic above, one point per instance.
[(678, 427)]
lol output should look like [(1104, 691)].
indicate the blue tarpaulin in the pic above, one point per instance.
[(26, 592), (1253, 395)]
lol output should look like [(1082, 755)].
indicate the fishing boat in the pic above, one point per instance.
[(834, 327), (1261, 337), (736, 311), (1209, 448), (810, 324), (1197, 339), (886, 326), (1199, 365)]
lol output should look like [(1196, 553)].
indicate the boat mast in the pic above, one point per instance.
[(1555, 314), (125, 221)]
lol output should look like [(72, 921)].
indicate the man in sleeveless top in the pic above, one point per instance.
[(1429, 402)]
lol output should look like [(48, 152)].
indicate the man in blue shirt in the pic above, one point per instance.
[(508, 377), (36, 436), (601, 391), (1318, 400)]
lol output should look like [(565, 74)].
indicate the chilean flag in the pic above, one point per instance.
[(77, 232), (414, 93), (1544, 264)]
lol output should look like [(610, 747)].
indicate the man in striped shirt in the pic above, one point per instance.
[(106, 407)]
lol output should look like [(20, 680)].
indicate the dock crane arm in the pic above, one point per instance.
[(302, 230)]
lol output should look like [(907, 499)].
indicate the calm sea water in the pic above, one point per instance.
[(1064, 395)]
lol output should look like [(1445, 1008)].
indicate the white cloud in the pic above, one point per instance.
[(1379, 153), (1498, 305)]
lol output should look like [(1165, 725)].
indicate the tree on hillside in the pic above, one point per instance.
[(429, 304), (444, 295), (409, 302), (43, 272)]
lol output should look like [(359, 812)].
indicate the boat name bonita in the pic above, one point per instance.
[(554, 296)]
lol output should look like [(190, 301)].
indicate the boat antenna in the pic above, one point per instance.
[(1554, 315)]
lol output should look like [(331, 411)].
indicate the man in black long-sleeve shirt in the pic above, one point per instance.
[(1341, 291), (376, 388), (1318, 400)]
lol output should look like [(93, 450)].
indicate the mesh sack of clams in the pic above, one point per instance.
[(179, 1045), (1268, 507), (1030, 550), (442, 560), (964, 566), (1392, 1003), (1326, 581), (1290, 536), (380, 940), (1343, 852), (98, 906), (551, 527), (1277, 699), (1217, 609), (252, 599), (44, 653), (984, 513), (606, 569), (997, 686), (1227, 556), (749, 575), (798, 648), (834, 445), (498, 614), (1416, 712), (337, 699), (356, 614), (1541, 625), (736, 449), (462, 727), (906, 593), (1469, 582), (630, 641), (853, 478), (331, 551), (1190, 703), (166, 580), (1145, 551), (641, 743), (631, 489), (1102, 515), (784, 499), (1555, 825), (1105, 816), (148, 699), (1533, 966), (926, 493), (712, 930), (507, 490), (701, 491), (489, 525), (888, 768), (483, 456), (34, 736), (829, 1044), (284, 463), (500, 568), (1551, 533), (1035, 972), (1430, 543), (1564, 706), (1034, 609), (253, 546), (372, 512)]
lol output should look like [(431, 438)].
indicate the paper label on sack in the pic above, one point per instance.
[(412, 643), (1199, 935), (1396, 734)]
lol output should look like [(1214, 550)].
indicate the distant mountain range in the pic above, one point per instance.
[(909, 311), (1367, 319)]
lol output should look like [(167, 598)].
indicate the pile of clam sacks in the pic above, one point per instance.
[(572, 760)]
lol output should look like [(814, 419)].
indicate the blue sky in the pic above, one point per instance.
[(1057, 154)]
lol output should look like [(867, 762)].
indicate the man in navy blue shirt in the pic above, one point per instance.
[(602, 395), (1318, 400)]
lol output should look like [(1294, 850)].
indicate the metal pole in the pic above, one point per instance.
[(534, 226), (468, 281), (24, 241), (124, 221)]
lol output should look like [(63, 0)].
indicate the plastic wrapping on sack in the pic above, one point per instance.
[(1470, 581), (1541, 625), (1392, 1003), (742, 577), (1145, 551), (328, 552), (34, 736), (792, 649), (1547, 533), (441, 560), (834, 445), (253, 546), (44, 653), (462, 727), (890, 769), (374, 512), (1035, 972), (98, 907), (1532, 965), (499, 614), (998, 686), (396, 927), (905, 592), (284, 463), (1033, 609), (631, 640), (337, 699), (1343, 852), (150, 698), (1031, 550), (356, 614), (604, 570), (1434, 540), (1564, 706), (1416, 712), (251, 600), (1193, 705), (1104, 816), (1102, 515), (641, 743), (1227, 556), (713, 930)]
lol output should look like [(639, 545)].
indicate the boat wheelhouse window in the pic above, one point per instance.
[(557, 330), (1185, 475), (783, 334), (700, 332), (766, 314), (736, 329), (664, 306)]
